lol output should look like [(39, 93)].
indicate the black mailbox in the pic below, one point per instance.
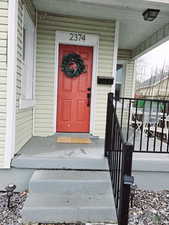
[(105, 80)]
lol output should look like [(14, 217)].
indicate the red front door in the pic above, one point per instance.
[(73, 106)]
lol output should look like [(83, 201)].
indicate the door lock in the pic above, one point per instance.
[(88, 99)]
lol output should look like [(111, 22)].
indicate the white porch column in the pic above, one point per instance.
[(11, 82)]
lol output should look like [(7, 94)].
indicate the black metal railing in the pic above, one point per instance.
[(144, 123), (119, 154)]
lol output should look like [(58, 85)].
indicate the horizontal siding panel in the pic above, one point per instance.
[(3, 13), (78, 20), (3, 102), (3, 28), (41, 120), (43, 134), (41, 97), (48, 117), (2, 123), (48, 130), (2, 94), (43, 65), (3, 43), (23, 114), (3, 87), (45, 111), (4, 20), (3, 72), (124, 54), (3, 58), (44, 69), (43, 102), (3, 108), (45, 60), (3, 35), (3, 5), (2, 116), (49, 93), (2, 131), (25, 132), (79, 27), (23, 127), (3, 50), (45, 126), (43, 85), (27, 120), (2, 144), (3, 65), (44, 79), (22, 141)]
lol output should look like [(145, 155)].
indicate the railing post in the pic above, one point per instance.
[(125, 185), (108, 132)]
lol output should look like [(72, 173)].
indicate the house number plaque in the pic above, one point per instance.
[(76, 36)]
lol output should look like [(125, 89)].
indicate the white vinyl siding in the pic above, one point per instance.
[(45, 74), (24, 117), (124, 54), (3, 75), (129, 80)]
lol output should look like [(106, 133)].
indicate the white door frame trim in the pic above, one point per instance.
[(92, 41), (11, 82)]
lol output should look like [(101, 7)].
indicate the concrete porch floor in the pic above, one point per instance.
[(46, 153)]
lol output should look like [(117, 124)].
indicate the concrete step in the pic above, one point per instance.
[(48, 162), (61, 182), (69, 208)]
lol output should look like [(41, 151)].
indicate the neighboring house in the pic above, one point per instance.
[(158, 88), (35, 98)]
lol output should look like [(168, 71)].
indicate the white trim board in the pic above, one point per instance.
[(11, 82), (92, 41)]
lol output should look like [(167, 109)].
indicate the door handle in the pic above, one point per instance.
[(88, 99)]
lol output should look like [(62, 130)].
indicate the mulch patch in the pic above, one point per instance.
[(150, 208), (12, 215)]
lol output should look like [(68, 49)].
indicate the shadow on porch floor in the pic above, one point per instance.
[(46, 153)]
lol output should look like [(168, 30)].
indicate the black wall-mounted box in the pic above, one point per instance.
[(105, 80)]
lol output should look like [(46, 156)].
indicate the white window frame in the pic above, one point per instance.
[(27, 87)]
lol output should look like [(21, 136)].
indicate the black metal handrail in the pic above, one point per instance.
[(143, 99), (119, 154)]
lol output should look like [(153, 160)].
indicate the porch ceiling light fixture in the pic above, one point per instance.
[(150, 14)]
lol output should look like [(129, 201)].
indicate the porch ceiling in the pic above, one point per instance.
[(133, 29)]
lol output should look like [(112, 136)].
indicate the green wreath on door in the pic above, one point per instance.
[(73, 65)]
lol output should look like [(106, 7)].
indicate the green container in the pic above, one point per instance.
[(140, 104)]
